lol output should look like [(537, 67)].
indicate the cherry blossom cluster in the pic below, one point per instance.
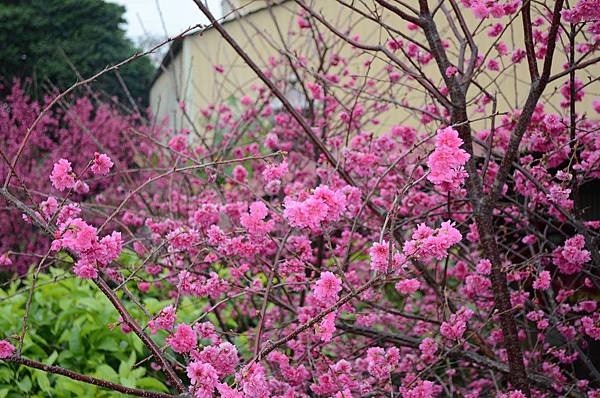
[(356, 263)]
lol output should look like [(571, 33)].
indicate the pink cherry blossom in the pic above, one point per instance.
[(447, 161), (571, 257), (455, 327), (203, 378), (327, 289), (183, 340), (101, 165), (542, 282), (62, 176), (426, 242), (6, 349), (408, 286), (253, 221), (164, 321), (428, 348)]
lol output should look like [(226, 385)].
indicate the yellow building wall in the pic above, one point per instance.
[(193, 78)]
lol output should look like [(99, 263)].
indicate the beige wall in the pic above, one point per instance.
[(166, 93), (191, 76)]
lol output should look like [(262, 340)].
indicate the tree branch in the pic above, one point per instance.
[(87, 379)]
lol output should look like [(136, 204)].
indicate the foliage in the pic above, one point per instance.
[(45, 39), (69, 326)]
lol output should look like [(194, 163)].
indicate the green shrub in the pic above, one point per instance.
[(67, 327)]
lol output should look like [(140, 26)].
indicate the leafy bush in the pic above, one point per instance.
[(67, 326)]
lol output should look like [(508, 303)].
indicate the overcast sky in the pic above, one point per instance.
[(144, 16)]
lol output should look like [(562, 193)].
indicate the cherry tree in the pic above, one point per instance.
[(329, 255)]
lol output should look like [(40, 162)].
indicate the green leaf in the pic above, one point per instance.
[(108, 344), (138, 373), (76, 388), (74, 341), (127, 381), (128, 258), (105, 372), (24, 384), (152, 384), (50, 360), (42, 381), (6, 374), (125, 366)]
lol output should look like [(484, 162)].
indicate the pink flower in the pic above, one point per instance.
[(518, 55), (246, 100), (178, 143), (302, 22), (327, 289), (316, 90), (408, 286), (495, 30), (380, 363), (572, 256), (447, 161), (85, 270), (81, 187), (206, 330), (395, 44), (477, 285), (183, 340), (484, 267), (334, 200), (591, 326), (109, 248), (513, 394), (529, 239), (426, 242), (379, 253), (81, 237), (584, 11), (451, 71), (164, 321), (423, 389), (254, 383), (5, 260), (493, 65), (78, 235), (49, 207), (552, 121), (456, 326), (480, 10), (62, 176), (542, 282), (324, 205), (428, 348), (223, 358), (306, 214), (275, 171), (6, 349), (240, 173), (203, 378), (326, 328), (228, 392), (253, 221), (596, 105), (101, 165)]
